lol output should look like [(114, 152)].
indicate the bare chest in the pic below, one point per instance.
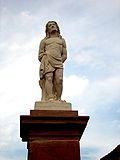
[(54, 42)]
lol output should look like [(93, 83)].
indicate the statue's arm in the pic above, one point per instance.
[(41, 51), (64, 53)]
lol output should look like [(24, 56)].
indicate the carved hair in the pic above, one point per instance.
[(47, 32)]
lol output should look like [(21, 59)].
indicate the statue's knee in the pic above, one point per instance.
[(60, 80), (49, 79)]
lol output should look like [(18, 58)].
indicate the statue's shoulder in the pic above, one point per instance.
[(63, 41), (43, 41)]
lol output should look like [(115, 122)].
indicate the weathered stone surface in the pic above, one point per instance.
[(54, 150), (54, 105), (52, 54), (53, 113)]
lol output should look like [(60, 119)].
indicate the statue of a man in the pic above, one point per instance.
[(52, 54)]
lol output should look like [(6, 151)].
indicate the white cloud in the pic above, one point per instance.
[(74, 86), (101, 93), (21, 18), (7, 129), (19, 85), (89, 58)]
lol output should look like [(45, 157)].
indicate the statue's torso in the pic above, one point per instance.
[(53, 47)]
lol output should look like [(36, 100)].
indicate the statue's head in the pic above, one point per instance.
[(52, 26)]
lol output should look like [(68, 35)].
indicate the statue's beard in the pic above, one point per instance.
[(53, 30)]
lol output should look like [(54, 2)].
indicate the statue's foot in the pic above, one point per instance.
[(55, 100), (60, 100), (51, 99)]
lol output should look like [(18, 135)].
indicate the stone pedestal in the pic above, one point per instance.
[(52, 134), (55, 105)]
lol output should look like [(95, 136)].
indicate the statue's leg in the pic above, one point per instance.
[(49, 85), (59, 82), (42, 86)]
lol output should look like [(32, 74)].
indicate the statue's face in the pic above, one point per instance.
[(52, 27)]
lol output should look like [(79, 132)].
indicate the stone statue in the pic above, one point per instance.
[(52, 54)]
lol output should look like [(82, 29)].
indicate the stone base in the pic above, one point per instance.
[(54, 150), (52, 134), (55, 105)]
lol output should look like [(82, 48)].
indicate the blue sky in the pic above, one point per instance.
[(91, 73)]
